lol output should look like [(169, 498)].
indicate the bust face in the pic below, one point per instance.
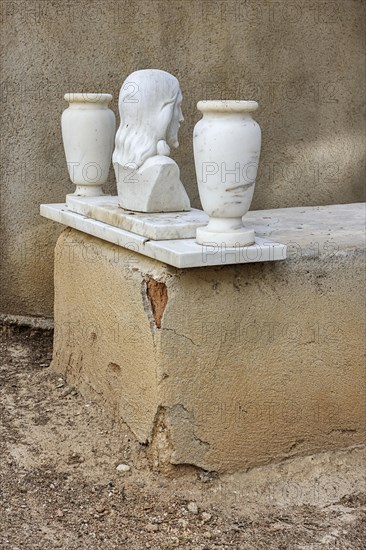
[(177, 118)]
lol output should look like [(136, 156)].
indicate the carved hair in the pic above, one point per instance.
[(146, 103)]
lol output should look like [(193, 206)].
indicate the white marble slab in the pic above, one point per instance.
[(156, 226), (181, 253)]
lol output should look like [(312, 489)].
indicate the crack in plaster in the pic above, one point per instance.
[(182, 335), (162, 448), (189, 416)]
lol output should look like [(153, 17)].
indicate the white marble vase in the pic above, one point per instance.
[(226, 145), (88, 130)]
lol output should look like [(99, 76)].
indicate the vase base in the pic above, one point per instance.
[(88, 191), (229, 239)]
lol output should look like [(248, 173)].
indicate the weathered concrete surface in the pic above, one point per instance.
[(224, 368), (303, 62)]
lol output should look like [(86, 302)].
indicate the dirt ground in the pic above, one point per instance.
[(60, 487)]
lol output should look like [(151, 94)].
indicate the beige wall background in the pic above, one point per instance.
[(303, 61)]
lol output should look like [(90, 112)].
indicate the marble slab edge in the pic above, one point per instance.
[(180, 253), (156, 226)]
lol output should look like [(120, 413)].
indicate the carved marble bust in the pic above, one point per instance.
[(150, 111)]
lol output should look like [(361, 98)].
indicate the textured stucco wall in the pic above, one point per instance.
[(303, 61)]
